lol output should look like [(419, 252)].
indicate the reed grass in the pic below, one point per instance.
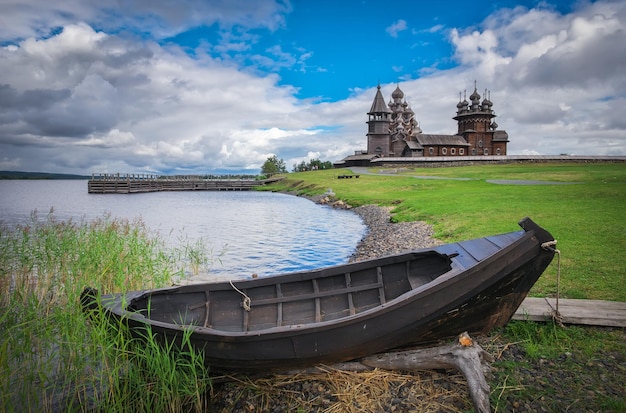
[(51, 357)]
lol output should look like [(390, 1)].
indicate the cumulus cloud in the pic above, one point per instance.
[(552, 76), (143, 101), (23, 19), (78, 99)]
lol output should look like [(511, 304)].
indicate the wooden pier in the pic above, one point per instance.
[(139, 183)]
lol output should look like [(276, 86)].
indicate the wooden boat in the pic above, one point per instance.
[(344, 312)]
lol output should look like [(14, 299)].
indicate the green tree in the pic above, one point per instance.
[(273, 166), (312, 165), (301, 167)]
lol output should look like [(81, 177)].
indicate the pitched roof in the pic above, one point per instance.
[(379, 104), (360, 157), (501, 135), (453, 140), (414, 145)]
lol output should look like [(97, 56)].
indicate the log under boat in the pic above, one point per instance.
[(347, 311)]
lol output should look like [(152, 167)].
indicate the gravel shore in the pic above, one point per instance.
[(385, 238)]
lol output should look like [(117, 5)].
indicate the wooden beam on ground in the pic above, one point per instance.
[(585, 312)]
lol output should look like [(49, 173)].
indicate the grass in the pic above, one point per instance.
[(587, 217), (51, 359)]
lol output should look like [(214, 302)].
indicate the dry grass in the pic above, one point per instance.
[(338, 391)]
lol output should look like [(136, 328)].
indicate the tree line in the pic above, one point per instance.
[(273, 165)]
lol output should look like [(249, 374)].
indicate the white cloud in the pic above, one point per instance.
[(147, 102), (396, 28), (111, 139), (436, 28), (162, 18), (479, 52)]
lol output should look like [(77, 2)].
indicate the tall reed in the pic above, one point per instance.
[(51, 357)]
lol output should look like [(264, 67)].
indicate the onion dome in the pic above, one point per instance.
[(462, 105), (475, 97), (398, 93), (486, 102)]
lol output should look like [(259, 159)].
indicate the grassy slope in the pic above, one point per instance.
[(587, 218)]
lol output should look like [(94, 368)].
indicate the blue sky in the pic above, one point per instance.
[(220, 85), (328, 48)]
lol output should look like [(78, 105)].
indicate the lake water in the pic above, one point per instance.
[(251, 232)]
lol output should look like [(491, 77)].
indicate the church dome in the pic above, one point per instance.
[(462, 105), (487, 104), (475, 97), (398, 93)]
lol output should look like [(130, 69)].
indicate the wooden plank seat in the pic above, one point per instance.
[(315, 294)]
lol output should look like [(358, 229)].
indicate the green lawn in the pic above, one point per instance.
[(587, 217)]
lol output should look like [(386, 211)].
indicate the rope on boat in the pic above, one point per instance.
[(246, 300), (556, 315)]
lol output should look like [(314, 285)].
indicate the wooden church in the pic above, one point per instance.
[(393, 131)]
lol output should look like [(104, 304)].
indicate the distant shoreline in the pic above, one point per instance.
[(17, 175)]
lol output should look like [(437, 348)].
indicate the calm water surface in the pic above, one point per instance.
[(250, 232)]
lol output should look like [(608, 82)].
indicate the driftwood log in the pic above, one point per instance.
[(464, 355)]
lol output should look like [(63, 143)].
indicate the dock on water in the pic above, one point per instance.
[(138, 183)]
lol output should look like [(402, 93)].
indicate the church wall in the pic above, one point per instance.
[(397, 147), (378, 141), (437, 150), (482, 125), (378, 127), (499, 145)]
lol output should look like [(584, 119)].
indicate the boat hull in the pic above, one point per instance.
[(477, 286)]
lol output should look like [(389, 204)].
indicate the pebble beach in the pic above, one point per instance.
[(384, 237)]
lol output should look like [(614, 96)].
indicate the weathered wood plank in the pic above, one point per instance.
[(584, 312)]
